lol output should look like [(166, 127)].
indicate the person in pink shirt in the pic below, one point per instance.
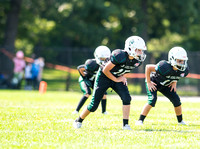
[(19, 65)]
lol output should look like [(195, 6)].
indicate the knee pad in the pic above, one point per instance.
[(176, 103), (152, 100), (88, 92), (126, 101), (93, 109), (175, 100)]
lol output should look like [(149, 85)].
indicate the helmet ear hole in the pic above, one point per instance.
[(129, 49)]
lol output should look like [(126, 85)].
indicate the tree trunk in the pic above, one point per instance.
[(10, 35), (144, 20)]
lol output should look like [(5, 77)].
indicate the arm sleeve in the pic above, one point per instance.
[(186, 72), (79, 67)]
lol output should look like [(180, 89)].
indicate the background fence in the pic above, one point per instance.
[(72, 57)]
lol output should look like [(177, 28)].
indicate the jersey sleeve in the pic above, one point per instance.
[(118, 56), (186, 72), (163, 68)]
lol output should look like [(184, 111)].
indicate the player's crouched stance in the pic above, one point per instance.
[(88, 73), (111, 75), (164, 78)]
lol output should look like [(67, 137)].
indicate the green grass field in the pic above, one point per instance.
[(31, 120)]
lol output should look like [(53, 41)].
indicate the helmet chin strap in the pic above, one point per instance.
[(141, 57), (180, 67)]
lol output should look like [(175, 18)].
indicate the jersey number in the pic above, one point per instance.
[(121, 72)]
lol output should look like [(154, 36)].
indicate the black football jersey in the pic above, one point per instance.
[(122, 63), (91, 68), (165, 74)]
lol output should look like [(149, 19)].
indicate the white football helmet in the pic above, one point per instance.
[(101, 54), (175, 54), (133, 44)]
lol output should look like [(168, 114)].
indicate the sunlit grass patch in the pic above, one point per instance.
[(32, 120)]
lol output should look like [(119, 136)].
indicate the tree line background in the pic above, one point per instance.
[(67, 31)]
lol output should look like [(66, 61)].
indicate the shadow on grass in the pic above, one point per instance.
[(166, 130), (192, 125), (152, 130), (189, 125), (170, 129)]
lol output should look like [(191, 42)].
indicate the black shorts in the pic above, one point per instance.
[(165, 90), (102, 83)]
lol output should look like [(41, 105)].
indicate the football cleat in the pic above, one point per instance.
[(77, 124), (139, 122), (182, 123), (127, 127), (105, 113), (75, 112)]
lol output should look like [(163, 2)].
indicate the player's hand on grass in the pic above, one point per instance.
[(122, 79), (151, 86), (173, 86)]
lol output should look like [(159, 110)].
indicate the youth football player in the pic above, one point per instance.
[(163, 77), (87, 76), (112, 75)]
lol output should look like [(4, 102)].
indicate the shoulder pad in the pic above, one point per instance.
[(118, 56), (91, 65), (163, 67)]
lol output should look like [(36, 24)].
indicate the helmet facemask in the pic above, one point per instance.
[(138, 54), (102, 54), (135, 47), (179, 64), (101, 60), (178, 58)]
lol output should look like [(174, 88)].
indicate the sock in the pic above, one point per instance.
[(142, 117), (81, 103), (179, 118), (79, 119), (125, 121), (103, 105)]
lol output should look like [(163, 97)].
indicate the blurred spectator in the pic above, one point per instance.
[(40, 62), (35, 68), (19, 65), (28, 77), (3, 81)]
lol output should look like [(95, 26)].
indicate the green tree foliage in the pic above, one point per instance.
[(4, 7), (12, 11), (173, 23), (89, 23)]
